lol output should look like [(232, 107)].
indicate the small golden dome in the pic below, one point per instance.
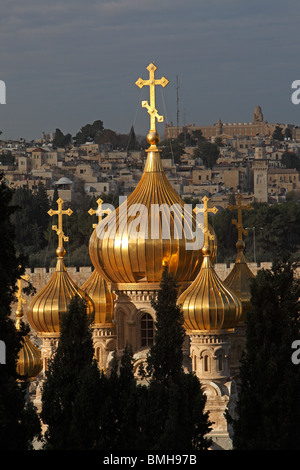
[(207, 303), (48, 306), (239, 280), (97, 289), (29, 363)]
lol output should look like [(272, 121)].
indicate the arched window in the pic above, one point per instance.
[(147, 330), (206, 363), (220, 362)]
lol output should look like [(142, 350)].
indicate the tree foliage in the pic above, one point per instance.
[(268, 409), (61, 140), (90, 133), (290, 160), (68, 397), (173, 416), (208, 152), (278, 134), (19, 423), (277, 232)]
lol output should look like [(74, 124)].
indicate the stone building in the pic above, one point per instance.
[(129, 249)]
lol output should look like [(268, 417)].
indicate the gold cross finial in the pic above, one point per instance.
[(205, 211), (238, 223), (59, 229), (99, 211), (151, 83), (21, 299)]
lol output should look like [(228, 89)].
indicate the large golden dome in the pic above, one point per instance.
[(132, 243), (207, 303)]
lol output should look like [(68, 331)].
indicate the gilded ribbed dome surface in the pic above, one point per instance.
[(207, 303), (240, 277), (97, 289), (122, 257), (152, 227), (239, 281), (51, 303), (29, 363)]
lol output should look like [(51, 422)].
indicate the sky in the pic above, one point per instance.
[(69, 63)]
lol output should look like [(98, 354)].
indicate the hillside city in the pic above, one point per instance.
[(257, 159)]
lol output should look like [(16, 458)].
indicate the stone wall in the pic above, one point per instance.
[(40, 276)]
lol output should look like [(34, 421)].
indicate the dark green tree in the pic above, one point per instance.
[(198, 136), (131, 140), (172, 149), (19, 423), (166, 355), (61, 140), (173, 417), (67, 397), (121, 411), (208, 152), (278, 134), (268, 409), (90, 132), (290, 160)]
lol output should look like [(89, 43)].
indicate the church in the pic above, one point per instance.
[(129, 252)]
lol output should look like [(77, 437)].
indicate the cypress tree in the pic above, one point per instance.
[(172, 414), (268, 409), (73, 388), (120, 415), (19, 423)]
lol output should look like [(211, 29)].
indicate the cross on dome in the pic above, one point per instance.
[(59, 229), (239, 223), (152, 82)]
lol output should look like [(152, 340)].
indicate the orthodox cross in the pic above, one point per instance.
[(59, 229), (99, 211), (205, 209), (151, 83), (238, 223), (21, 299)]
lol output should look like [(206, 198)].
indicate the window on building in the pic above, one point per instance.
[(220, 362), (147, 330), (206, 363)]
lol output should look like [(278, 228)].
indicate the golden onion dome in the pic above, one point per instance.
[(29, 362), (128, 245), (207, 303), (97, 289), (49, 306), (240, 277), (239, 280), (153, 226)]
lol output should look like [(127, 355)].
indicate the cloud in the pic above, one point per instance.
[(67, 63)]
